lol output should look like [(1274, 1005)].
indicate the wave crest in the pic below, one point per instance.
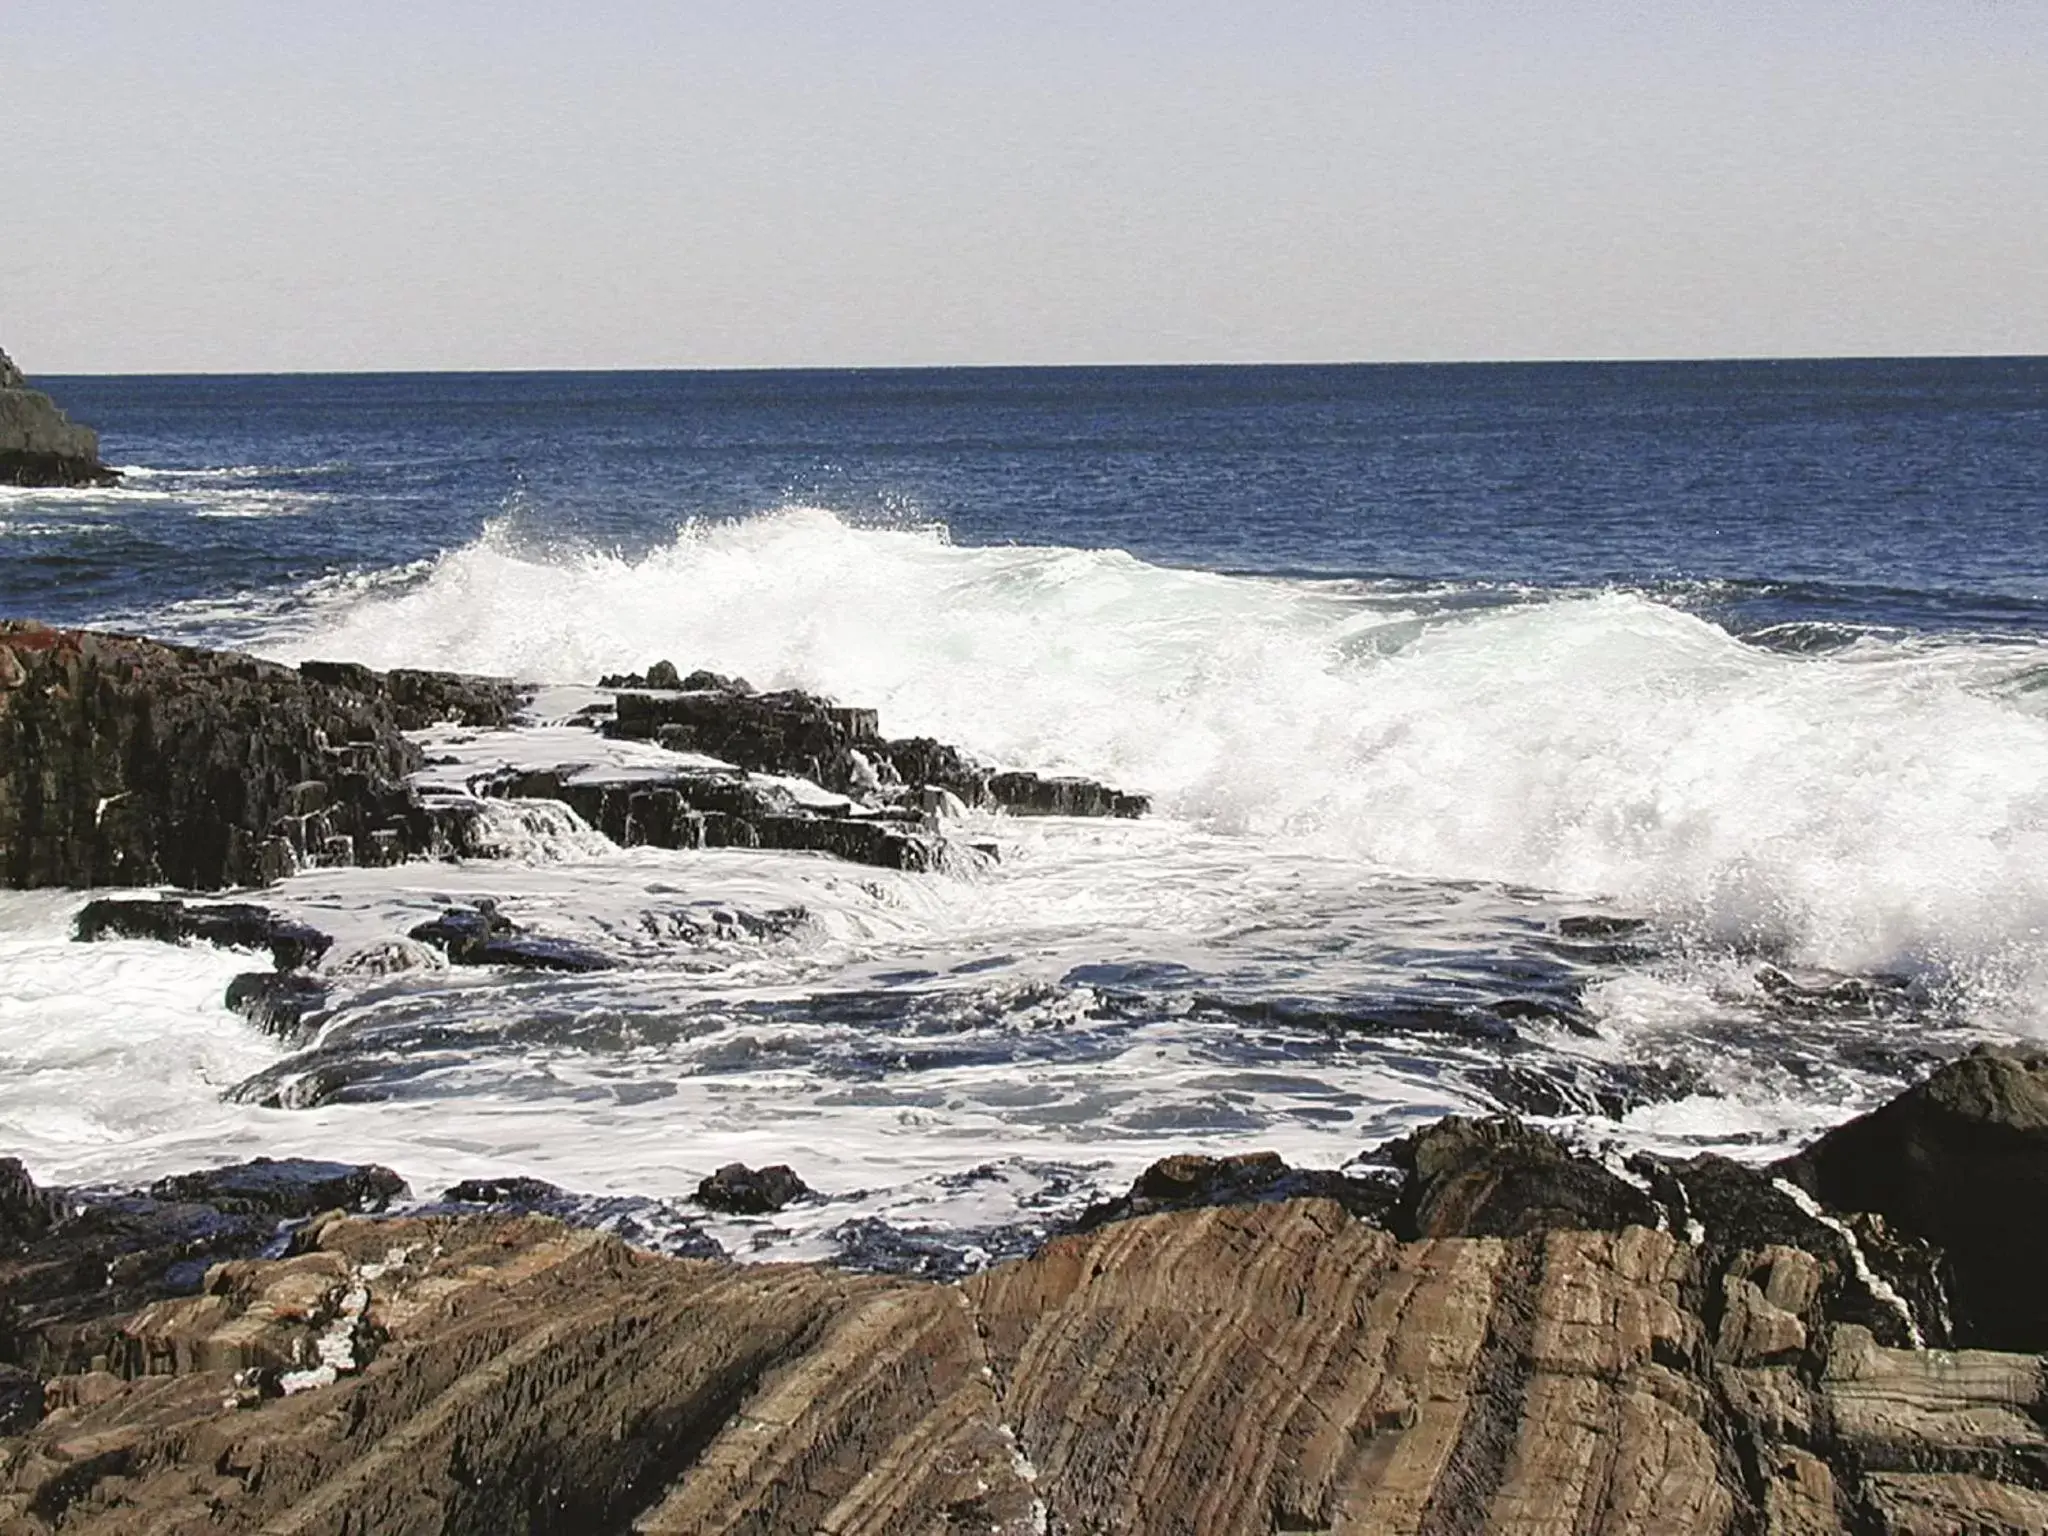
[(1869, 807)]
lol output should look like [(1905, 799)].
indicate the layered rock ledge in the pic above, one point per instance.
[(125, 761), (39, 444), (1508, 1337)]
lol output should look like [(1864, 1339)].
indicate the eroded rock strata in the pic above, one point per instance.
[(1509, 1338), (1279, 1367)]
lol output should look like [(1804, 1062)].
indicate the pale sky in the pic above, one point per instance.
[(607, 184)]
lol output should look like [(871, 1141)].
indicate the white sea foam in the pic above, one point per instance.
[(1883, 806), (1361, 798)]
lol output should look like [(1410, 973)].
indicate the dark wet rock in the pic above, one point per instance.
[(1028, 794), (663, 676), (658, 1226), (1546, 1087), (97, 1254), (1960, 1161), (1500, 1178), (26, 1212), (842, 749), (1826, 995), (385, 957), (517, 1191), (1601, 938), (39, 444), (713, 808), (1362, 1016), (702, 678), (282, 1187), (1191, 1180), (484, 936), (416, 699), (127, 762), (739, 1190), (21, 1400), (871, 1245), (226, 925), (1597, 925), (282, 1003), (1731, 1209)]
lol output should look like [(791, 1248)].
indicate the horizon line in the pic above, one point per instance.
[(1746, 359)]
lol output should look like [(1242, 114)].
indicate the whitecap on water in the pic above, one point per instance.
[(1374, 808)]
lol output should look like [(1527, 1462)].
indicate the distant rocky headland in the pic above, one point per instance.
[(1475, 1328), (39, 444)]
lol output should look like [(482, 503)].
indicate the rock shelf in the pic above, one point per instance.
[(1510, 1337)]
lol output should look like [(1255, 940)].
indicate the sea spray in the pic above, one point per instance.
[(1879, 806)]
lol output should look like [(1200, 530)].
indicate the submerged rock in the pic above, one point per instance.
[(482, 935), (39, 444), (227, 925), (720, 808), (281, 1003)]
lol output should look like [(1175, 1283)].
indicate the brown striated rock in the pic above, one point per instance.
[(1270, 1368)]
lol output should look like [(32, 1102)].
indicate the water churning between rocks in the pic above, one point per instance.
[(1705, 847)]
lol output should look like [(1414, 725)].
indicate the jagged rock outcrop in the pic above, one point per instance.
[(1269, 1368), (128, 762), (1960, 1161), (39, 444), (839, 748)]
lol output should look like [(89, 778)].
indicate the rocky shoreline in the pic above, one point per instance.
[(128, 762), (1485, 1331), (1475, 1328)]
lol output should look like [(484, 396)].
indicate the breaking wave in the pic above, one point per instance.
[(1877, 805)]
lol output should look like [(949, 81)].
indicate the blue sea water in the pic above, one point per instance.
[(1881, 493), (1657, 749)]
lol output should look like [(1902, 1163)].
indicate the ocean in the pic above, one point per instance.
[(1659, 751)]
